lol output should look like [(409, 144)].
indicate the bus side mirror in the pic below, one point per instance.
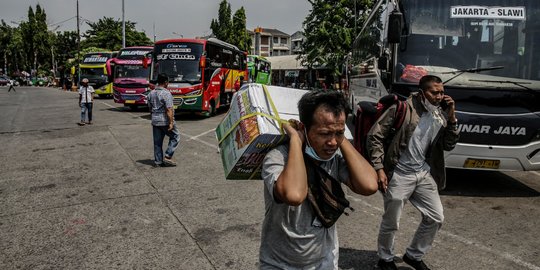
[(145, 61), (202, 62), (382, 63), (394, 27)]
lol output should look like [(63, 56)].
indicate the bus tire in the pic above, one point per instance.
[(212, 107)]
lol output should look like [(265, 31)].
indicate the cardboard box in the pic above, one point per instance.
[(251, 127)]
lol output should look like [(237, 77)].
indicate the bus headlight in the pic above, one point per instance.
[(194, 93)]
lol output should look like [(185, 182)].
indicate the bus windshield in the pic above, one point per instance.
[(447, 37), (131, 71), (93, 73), (180, 61)]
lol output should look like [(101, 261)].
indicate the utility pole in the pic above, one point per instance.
[(154, 26), (123, 27), (78, 47)]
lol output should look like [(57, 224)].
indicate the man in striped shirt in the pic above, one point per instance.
[(160, 103)]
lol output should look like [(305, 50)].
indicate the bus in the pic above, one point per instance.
[(202, 73), (487, 52), (94, 67), (130, 78), (259, 69)]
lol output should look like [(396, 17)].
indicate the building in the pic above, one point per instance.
[(269, 42), (297, 39)]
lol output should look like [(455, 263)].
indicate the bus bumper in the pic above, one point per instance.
[(188, 103), (495, 158)]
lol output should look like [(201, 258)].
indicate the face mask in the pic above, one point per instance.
[(430, 107), (311, 152)]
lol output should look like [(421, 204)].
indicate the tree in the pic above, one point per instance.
[(36, 39), (329, 31), (107, 33), (221, 28), (232, 31), (239, 35)]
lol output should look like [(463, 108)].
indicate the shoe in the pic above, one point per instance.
[(81, 124), (156, 165), (384, 265), (418, 265), (169, 162), (89, 123)]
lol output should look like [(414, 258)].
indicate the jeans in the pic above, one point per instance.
[(421, 190), (159, 133), (86, 109)]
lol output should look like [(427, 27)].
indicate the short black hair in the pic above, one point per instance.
[(428, 79), (333, 101), (162, 78)]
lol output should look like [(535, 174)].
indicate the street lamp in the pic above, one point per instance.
[(174, 33)]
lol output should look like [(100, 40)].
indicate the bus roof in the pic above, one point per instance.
[(200, 41)]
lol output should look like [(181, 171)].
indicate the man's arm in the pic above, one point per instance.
[(451, 133), (170, 116), (375, 144), (291, 186), (362, 177)]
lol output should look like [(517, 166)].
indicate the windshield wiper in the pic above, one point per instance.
[(520, 84), (470, 70)]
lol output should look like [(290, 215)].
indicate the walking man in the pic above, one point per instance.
[(11, 83), (293, 235), (412, 168), (160, 102), (86, 101)]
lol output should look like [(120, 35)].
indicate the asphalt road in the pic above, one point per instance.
[(88, 198)]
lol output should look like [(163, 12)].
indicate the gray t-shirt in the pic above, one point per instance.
[(292, 236), (159, 100)]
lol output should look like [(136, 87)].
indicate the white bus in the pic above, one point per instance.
[(488, 54)]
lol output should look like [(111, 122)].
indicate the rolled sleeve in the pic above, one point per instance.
[(273, 165)]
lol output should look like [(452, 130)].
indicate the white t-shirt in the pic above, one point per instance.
[(86, 94)]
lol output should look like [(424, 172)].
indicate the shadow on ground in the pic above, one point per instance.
[(484, 184)]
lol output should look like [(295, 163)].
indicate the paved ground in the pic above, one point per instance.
[(88, 198)]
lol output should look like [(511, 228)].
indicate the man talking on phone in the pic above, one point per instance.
[(411, 167)]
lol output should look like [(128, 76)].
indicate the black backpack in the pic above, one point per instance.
[(368, 113)]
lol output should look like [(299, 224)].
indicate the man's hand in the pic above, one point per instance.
[(451, 108), (382, 180), (295, 128)]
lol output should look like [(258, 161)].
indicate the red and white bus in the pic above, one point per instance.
[(130, 78), (202, 73)]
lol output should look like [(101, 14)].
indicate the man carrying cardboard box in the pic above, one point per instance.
[(294, 234)]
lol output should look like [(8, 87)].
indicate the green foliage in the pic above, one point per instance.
[(37, 40), (231, 31), (330, 30), (221, 28), (107, 33), (240, 36)]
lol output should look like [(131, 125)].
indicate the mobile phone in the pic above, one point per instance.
[(444, 105)]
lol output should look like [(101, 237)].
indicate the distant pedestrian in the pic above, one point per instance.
[(11, 83), (86, 101), (160, 103)]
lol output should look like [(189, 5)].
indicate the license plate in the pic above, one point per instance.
[(130, 101), (482, 163)]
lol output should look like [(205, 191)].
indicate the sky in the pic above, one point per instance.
[(172, 18)]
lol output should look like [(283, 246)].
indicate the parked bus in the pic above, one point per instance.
[(202, 73), (487, 53), (259, 69), (94, 67), (130, 78)]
